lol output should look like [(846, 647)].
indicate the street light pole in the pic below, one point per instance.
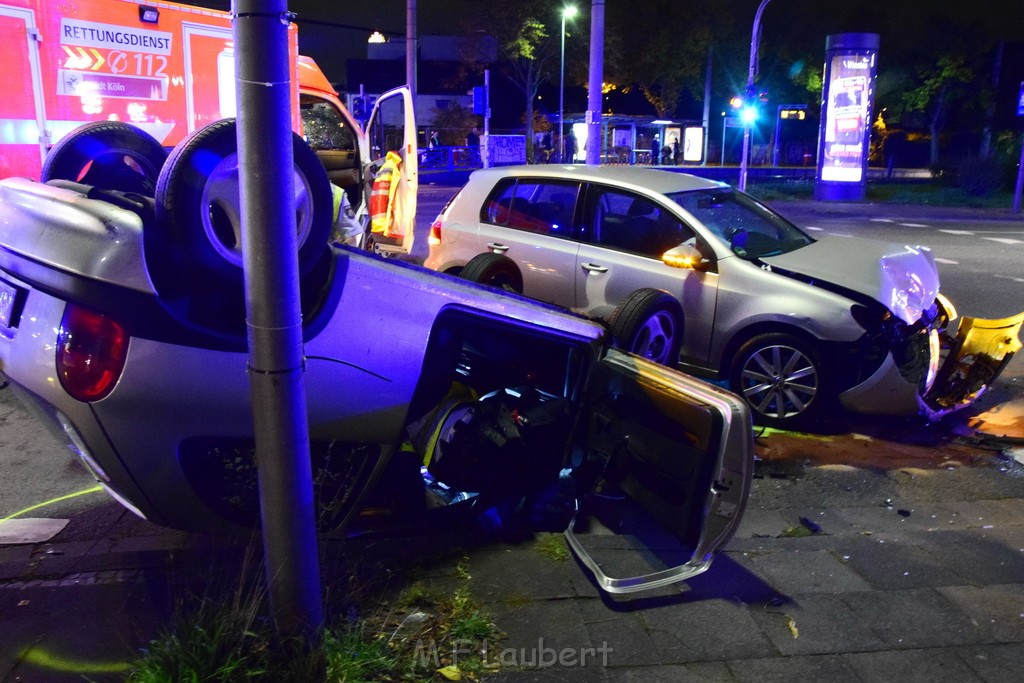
[(567, 13), (751, 73)]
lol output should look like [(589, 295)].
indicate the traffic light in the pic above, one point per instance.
[(359, 108), (751, 104)]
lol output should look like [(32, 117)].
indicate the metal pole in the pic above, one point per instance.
[(273, 317), (751, 75), (778, 129), (707, 110), (487, 118), (410, 47), (724, 126), (1020, 178), (561, 97), (595, 94)]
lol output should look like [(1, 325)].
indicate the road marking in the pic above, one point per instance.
[(812, 227), (957, 232), (882, 220), (913, 225), (946, 261), (1003, 240)]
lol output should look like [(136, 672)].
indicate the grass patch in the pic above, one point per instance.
[(553, 547), (405, 632)]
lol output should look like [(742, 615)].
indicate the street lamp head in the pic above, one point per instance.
[(569, 11)]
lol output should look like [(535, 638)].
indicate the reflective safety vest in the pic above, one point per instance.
[(382, 198)]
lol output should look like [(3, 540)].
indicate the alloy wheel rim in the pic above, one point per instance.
[(779, 381), (654, 338)]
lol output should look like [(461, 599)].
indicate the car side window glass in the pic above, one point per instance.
[(636, 224), (496, 210), (539, 206)]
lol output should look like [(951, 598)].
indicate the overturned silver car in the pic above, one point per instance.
[(133, 353)]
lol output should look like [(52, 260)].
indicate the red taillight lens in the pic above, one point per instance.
[(91, 349), (434, 238)]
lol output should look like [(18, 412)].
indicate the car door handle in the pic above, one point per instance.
[(497, 247), (594, 268)]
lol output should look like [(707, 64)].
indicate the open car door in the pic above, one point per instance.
[(672, 455), (392, 128)]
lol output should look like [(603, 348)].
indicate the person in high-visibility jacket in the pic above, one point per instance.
[(382, 198)]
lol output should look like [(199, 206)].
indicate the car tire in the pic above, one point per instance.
[(495, 270), (110, 155), (194, 252), (649, 323), (784, 379)]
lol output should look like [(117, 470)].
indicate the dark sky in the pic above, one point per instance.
[(333, 31)]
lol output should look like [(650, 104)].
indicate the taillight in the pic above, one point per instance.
[(434, 238), (91, 349)]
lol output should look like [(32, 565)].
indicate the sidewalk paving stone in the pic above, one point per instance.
[(896, 565), (995, 663), (998, 608), (801, 572), (788, 669), (921, 617), (934, 665), (705, 630), (697, 672), (815, 624)]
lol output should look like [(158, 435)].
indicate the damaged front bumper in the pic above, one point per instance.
[(966, 363)]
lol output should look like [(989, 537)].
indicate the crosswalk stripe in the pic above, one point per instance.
[(946, 261), (957, 232), (914, 225), (1003, 240), (813, 227), (882, 220)]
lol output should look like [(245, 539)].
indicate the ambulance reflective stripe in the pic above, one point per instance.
[(382, 197)]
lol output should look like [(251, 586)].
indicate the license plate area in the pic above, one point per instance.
[(12, 300)]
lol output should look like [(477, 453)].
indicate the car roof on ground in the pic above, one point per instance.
[(636, 177)]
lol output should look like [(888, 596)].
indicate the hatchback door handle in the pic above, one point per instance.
[(594, 268), (497, 247)]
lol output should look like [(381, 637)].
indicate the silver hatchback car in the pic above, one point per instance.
[(685, 269)]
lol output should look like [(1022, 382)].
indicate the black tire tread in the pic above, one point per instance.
[(482, 267), (639, 306)]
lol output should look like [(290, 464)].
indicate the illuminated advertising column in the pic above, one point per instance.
[(845, 128)]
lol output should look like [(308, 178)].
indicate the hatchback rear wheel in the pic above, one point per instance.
[(494, 270)]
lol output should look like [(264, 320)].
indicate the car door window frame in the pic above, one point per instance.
[(535, 210), (591, 234)]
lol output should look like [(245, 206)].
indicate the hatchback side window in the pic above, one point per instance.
[(540, 206), (629, 222)]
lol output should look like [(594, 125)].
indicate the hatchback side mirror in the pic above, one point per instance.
[(684, 256)]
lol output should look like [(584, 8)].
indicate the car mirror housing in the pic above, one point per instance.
[(684, 256)]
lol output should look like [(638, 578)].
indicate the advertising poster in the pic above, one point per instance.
[(847, 118)]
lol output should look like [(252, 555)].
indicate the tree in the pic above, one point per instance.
[(663, 47), (937, 90), (526, 47)]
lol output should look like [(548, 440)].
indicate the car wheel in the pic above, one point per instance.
[(649, 323), (494, 270), (194, 251), (783, 378), (198, 199), (110, 155)]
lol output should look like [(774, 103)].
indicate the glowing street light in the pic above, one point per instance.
[(567, 13)]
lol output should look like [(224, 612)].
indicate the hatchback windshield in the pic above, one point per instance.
[(750, 229)]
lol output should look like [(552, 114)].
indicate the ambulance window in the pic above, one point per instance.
[(324, 128)]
